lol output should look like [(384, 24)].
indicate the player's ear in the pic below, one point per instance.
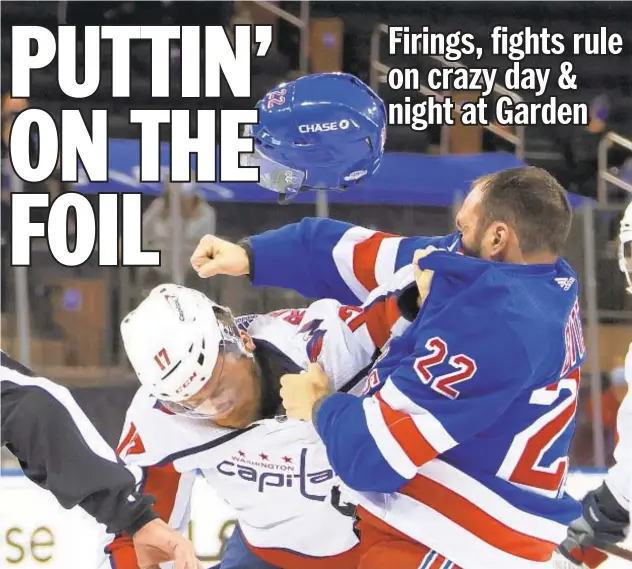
[(247, 340), (498, 235)]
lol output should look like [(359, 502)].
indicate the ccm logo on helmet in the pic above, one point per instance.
[(324, 127), (173, 301)]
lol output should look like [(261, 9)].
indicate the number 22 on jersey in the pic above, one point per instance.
[(524, 463), (464, 368)]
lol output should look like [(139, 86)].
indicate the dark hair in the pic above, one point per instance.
[(532, 202)]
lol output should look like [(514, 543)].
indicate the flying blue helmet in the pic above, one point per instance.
[(323, 131)]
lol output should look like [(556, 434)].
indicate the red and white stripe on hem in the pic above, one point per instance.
[(454, 514)]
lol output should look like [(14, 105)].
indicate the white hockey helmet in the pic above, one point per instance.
[(625, 246), (177, 340)]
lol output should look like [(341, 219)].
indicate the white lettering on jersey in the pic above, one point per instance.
[(265, 475), (573, 339)]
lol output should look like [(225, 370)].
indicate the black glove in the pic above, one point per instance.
[(603, 520)]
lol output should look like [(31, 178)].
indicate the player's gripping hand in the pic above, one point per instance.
[(423, 278), (215, 256), (156, 542), (603, 519), (301, 391)]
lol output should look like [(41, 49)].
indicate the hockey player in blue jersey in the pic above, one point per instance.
[(458, 453)]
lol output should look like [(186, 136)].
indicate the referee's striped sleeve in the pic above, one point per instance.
[(61, 451)]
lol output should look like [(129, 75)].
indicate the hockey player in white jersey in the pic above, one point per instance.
[(606, 514), (211, 393), (210, 401)]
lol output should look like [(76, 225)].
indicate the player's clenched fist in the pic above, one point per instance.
[(215, 256), (300, 391)]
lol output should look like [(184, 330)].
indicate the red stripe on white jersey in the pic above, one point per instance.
[(365, 255), (126, 439), (162, 483), (379, 318), (454, 514), (343, 251), (291, 560), (365, 259), (386, 257), (476, 520)]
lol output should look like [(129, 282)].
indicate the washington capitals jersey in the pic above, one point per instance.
[(462, 441), (275, 474)]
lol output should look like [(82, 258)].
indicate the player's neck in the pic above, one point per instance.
[(537, 258)]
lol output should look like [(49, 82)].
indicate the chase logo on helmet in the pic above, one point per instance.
[(324, 127)]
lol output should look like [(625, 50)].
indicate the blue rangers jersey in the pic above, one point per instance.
[(462, 440)]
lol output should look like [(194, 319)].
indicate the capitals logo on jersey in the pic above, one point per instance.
[(316, 337), (265, 473), (243, 322)]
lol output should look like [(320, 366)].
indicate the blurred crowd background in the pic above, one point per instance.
[(73, 314)]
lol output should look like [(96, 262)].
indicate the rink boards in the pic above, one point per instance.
[(36, 533)]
